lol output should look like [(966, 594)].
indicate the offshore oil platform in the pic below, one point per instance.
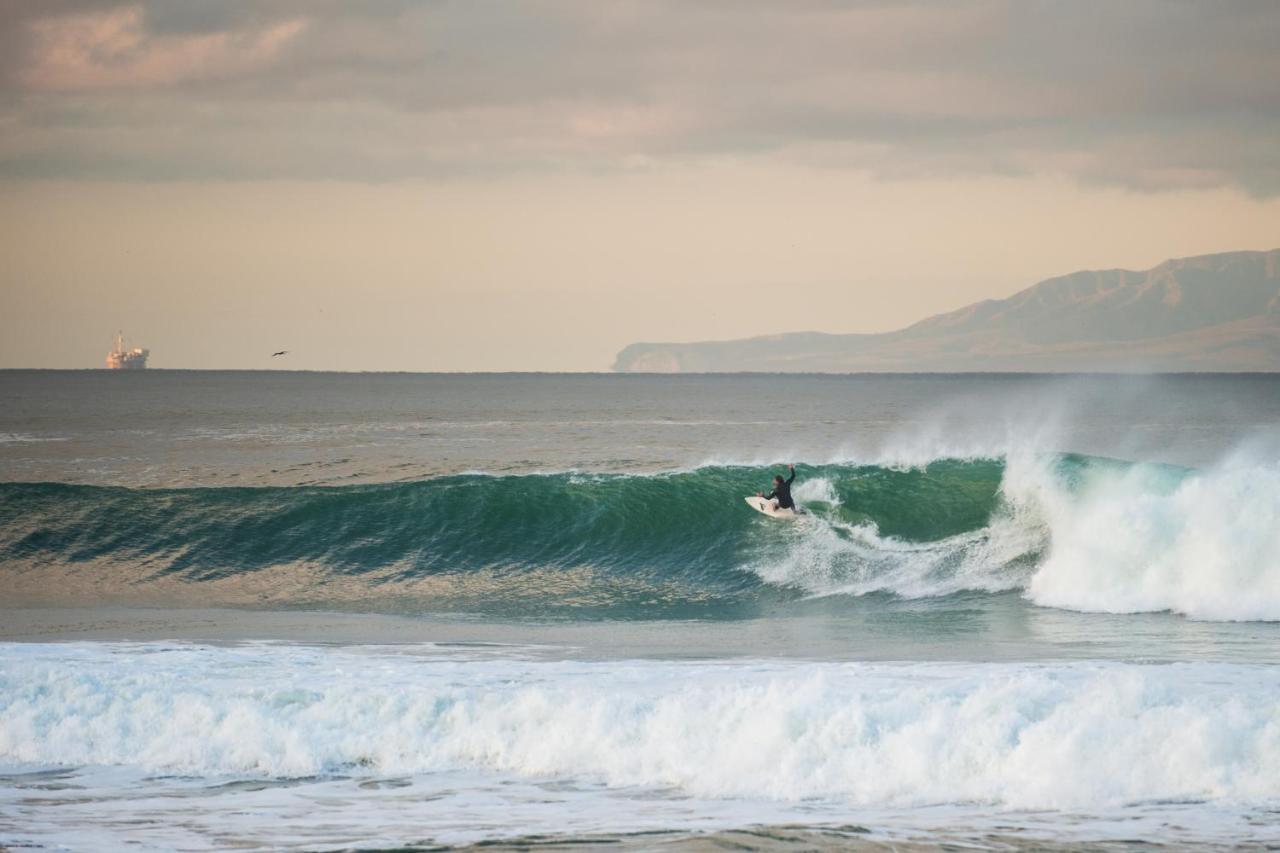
[(126, 359)]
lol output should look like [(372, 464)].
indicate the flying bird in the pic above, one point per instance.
[(282, 352)]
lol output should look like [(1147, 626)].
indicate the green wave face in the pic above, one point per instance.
[(478, 541)]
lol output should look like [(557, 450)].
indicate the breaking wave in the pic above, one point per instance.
[(1022, 735), (1072, 532)]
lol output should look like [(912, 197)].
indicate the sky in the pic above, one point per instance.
[(472, 185)]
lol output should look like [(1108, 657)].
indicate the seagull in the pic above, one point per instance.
[(282, 352)]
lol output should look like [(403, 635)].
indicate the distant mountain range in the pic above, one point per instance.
[(1208, 313)]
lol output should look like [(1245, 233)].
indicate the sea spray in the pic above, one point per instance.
[(1139, 539)]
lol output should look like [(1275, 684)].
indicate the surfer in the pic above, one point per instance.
[(781, 494)]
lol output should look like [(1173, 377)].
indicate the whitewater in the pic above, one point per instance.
[(366, 611)]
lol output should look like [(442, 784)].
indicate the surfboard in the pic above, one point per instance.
[(765, 507)]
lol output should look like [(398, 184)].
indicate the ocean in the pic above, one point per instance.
[(275, 610)]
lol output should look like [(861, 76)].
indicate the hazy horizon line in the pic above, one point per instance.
[(731, 373)]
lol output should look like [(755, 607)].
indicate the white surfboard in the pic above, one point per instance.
[(765, 507)]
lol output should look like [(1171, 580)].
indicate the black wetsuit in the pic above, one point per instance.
[(782, 491)]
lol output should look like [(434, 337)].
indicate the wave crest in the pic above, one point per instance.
[(1072, 532)]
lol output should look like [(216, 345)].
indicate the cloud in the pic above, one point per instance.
[(112, 49), (1148, 94)]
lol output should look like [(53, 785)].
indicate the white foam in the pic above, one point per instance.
[(28, 438), (1015, 735), (819, 489), (1206, 544), (832, 558)]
